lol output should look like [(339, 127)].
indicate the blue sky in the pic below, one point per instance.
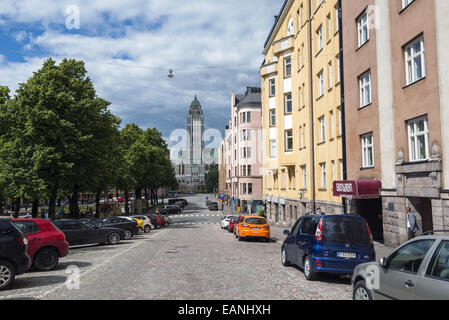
[(129, 46)]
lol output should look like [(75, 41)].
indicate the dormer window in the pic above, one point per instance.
[(291, 28)]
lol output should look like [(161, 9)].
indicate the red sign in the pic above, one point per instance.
[(360, 189)]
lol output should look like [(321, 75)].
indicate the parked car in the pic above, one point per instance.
[(418, 270), (213, 206), (165, 220), (328, 244), (236, 226), (160, 221), (147, 225), (181, 204), (173, 201), (254, 227), (46, 243), (154, 221), (225, 222), (130, 228), (140, 223), (84, 232), (232, 223), (14, 258)]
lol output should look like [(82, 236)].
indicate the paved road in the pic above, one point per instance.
[(192, 259)]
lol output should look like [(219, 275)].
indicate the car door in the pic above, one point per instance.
[(304, 239), (72, 232), (399, 280), (290, 242), (435, 283)]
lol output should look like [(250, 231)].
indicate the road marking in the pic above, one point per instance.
[(98, 266)]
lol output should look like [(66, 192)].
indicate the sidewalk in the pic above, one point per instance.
[(277, 233)]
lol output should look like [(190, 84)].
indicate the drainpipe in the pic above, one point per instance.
[(342, 107), (312, 127)]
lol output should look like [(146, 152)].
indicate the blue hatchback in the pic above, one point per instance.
[(328, 244)]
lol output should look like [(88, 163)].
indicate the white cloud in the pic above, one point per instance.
[(198, 33)]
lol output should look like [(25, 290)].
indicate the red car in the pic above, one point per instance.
[(240, 219), (46, 243), (160, 220), (232, 224)]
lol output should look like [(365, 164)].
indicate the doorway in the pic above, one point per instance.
[(423, 208), (371, 210)]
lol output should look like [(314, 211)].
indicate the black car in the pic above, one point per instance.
[(14, 259), (172, 209), (129, 227), (173, 201), (84, 232), (213, 206)]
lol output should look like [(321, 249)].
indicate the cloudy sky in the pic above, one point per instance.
[(213, 46)]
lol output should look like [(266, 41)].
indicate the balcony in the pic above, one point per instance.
[(269, 69), (283, 45)]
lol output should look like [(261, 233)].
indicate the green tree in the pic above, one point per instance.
[(212, 178)]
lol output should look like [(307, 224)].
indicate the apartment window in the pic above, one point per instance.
[(300, 12), (329, 27), (332, 126), (337, 16), (321, 81), (249, 171), (340, 122), (338, 69), (288, 140), (304, 136), (334, 178), (323, 175), (244, 188), (248, 135), (288, 103), (273, 149), (415, 62), (244, 171), (272, 87), (250, 188), (323, 129), (272, 117), (365, 89), (367, 151), (304, 176), (341, 169), (318, 3), (243, 117), (248, 117), (363, 28), (331, 75), (287, 67), (418, 132), (248, 150), (319, 34)]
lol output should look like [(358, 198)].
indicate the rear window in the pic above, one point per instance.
[(347, 230), (27, 227), (255, 221)]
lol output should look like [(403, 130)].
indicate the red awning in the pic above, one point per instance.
[(360, 189)]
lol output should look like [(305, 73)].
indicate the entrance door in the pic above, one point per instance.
[(371, 210), (423, 206)]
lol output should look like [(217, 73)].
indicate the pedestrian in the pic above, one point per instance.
[(412, 223), (318, 212)]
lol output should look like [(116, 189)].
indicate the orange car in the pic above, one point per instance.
[(253, 227)]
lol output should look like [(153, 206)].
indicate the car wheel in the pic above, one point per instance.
[(140, 232), (7, 274), (147, 229), (128, 235), (361, 292), (284, 258), (114, 238), (240, 238), (47, 259), (309, 273)]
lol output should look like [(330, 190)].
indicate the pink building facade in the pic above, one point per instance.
[(243, 153)]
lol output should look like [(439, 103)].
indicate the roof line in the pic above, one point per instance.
[(275, 23)]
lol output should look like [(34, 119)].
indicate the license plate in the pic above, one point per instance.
[(256, 228), (347, 255)]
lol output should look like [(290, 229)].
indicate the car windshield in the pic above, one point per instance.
[(347, 230), (255, 221)]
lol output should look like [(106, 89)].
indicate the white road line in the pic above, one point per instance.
[(98, 266)]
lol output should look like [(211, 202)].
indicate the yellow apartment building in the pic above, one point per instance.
[(301, 118)]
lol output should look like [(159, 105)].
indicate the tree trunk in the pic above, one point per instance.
[(139, 200), (35, 208), (52, 204), (16, 208), (127, 202), (97, 205)]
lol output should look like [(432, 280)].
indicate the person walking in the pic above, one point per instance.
[(412, 224)]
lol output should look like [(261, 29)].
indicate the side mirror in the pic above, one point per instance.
[(383, 263), (287, 232)]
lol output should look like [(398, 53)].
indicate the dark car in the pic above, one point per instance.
[(213, 206), (129, 227), (173, 201), (328, 244), (84, 232), (14, 259), (171, 209), (46, 243)]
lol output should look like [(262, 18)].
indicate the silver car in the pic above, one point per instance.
[(418, 270)]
